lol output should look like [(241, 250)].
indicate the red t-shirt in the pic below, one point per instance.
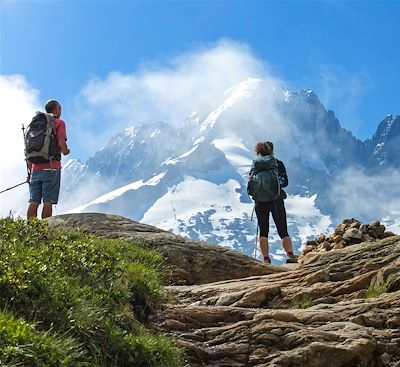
[(61, 133)]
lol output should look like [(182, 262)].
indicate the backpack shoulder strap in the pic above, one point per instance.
[(49, 117), (50, 120)]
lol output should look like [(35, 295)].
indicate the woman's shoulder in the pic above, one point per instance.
[(281, 166)]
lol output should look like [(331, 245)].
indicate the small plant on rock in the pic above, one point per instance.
[(304, 301), (376, 290)]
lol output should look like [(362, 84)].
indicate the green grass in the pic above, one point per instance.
[(23, 344), (376, 290), (72, 300)]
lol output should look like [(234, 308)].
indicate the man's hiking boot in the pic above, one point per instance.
[(267, 260), (291, 259)]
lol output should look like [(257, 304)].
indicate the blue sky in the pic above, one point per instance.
[(347, 52)]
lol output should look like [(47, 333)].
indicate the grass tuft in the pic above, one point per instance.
[(376, 290)]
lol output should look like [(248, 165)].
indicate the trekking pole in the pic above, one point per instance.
[(13, 187), (27, 165), (252, 213), (251, 218), (255, 248)]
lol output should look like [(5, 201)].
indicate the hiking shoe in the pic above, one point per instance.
[(267, 260), (292, 259)]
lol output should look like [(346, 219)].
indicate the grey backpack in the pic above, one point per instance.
[(41, 144)]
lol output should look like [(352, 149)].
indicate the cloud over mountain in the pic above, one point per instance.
[(167, 91)]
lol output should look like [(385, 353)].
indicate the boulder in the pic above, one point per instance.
[(353, 234)]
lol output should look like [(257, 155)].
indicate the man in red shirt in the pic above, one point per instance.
[(45, 177)]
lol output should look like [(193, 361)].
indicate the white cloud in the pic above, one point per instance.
[(18, 103), (167, 92), (358, 193)]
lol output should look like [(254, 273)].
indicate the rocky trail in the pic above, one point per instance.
[(339, 308)]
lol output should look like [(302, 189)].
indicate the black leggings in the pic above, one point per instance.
[(277, 208)]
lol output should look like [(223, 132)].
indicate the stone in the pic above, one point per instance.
[(355, 225), (321, 238), (341, 229), (338, 246), (364, 228), (367, 238), (380, 231), (307, 249), (347, 240), (372, 233), (326, 245), (375, 223), (388, 234), (337, 238), (353, 233)]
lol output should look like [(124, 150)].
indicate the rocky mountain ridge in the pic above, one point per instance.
[(384, 145), (340, 309)]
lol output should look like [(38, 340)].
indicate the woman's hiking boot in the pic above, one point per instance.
[(291, 258)]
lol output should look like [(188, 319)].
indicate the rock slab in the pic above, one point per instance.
[(186, 261), (340, 310)]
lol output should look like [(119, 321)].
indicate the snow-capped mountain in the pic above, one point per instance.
[(191, 178), (385, 144)]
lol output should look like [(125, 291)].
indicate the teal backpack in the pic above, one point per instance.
[(263, 182)]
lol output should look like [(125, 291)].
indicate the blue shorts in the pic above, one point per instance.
[(45, 185)]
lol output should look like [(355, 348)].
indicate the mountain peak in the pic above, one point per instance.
[(385, 142), (243, 90)]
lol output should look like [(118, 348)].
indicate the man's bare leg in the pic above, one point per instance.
[(47, 210), (32, 210)]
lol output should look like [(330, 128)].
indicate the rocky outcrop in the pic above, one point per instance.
[(348, 233), (186, 261), (341, 310), (338, 309)]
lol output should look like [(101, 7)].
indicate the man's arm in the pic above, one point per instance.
[(63, 146), (61, 134)]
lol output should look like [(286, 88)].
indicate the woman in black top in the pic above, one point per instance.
[(275, 207)]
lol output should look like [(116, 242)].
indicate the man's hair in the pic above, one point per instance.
[(264, 148), (51, 104)]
